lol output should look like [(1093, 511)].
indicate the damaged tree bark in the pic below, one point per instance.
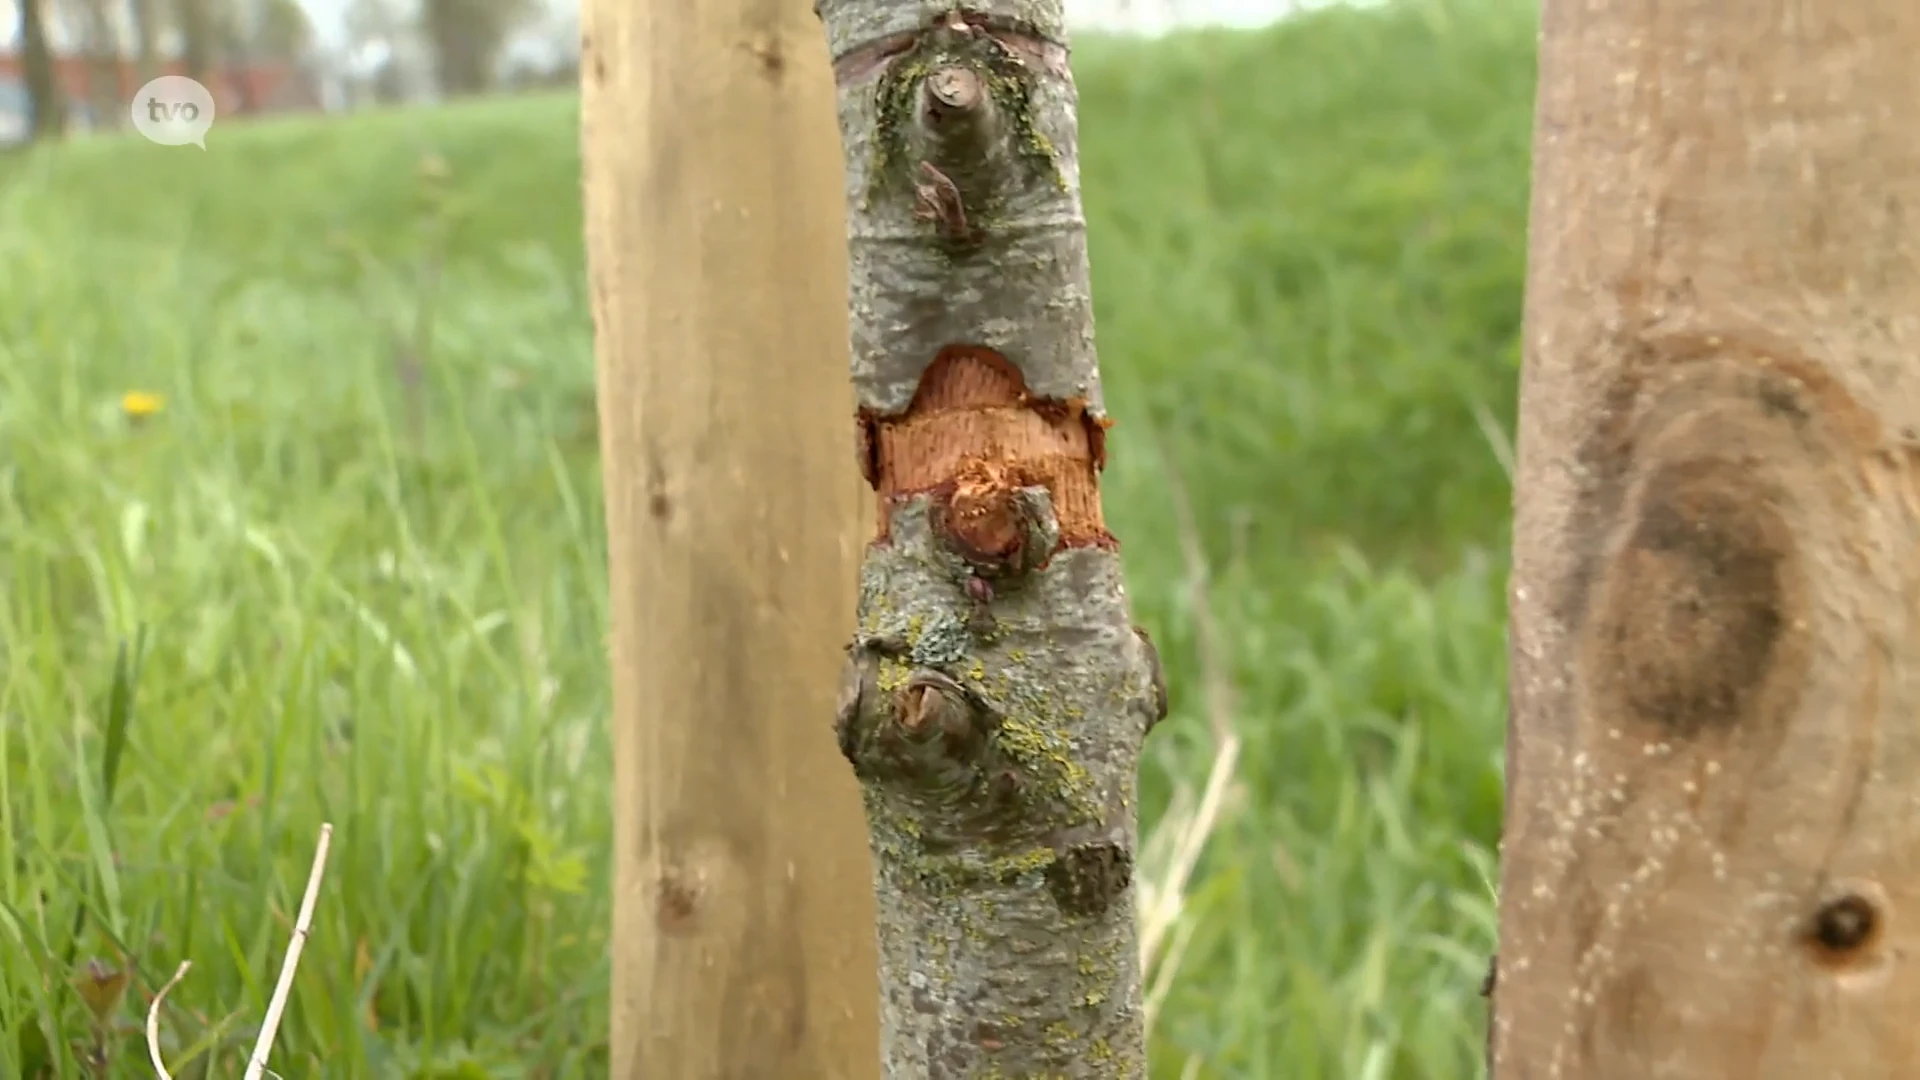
[(997, 693), (1709, 867)]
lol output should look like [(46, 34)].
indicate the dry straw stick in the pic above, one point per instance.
[(257, 1065), (1186, 826), (153, 1021)]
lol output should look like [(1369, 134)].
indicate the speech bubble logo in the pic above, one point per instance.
[(173, 110)]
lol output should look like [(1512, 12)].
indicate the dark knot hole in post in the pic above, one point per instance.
[(1844, 929), (1697, 622)]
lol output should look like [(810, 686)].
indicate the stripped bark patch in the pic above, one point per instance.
[(975, 435)]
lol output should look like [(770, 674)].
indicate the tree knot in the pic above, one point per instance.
[(998, 526), (1086, 879)]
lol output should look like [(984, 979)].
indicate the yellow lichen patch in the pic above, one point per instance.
[(1045, 755), (1026, 862), (893, 674)]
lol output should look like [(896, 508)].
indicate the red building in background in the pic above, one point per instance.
[(237, 89)]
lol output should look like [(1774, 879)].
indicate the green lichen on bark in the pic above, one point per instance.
[(1022, 268), (899, 144), (1001, 817)]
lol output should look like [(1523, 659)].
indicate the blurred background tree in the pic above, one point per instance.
[(45, 110), (466, 37)]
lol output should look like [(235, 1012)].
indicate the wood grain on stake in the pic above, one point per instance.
[(717, 250), (1712, 853)]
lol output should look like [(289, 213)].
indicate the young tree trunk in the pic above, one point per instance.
[(236, 55), (36, 60), (1709, 865), (716, 247), (197, 31), (105, 96), (462, 41), (141, 16), (997, 693)]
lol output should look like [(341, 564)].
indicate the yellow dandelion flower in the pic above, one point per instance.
[(140, 404)]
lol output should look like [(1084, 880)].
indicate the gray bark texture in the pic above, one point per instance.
[(997, 693)]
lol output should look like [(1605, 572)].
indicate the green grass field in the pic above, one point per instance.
[(354, 569)]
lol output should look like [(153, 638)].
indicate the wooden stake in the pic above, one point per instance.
[(744, 926), (1712, 851)]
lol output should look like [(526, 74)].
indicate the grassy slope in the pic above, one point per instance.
[(380, 602)]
